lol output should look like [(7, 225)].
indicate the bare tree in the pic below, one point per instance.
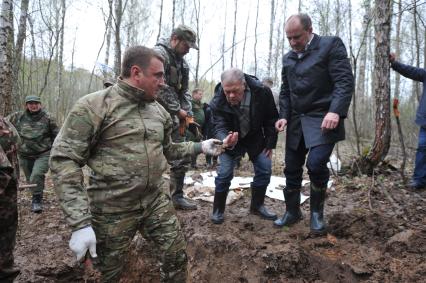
[(255, 39), (381, 143), (245, 39), (6, 45), (271, 35), (17, 59), (117, 27), (161, 19), (234, 33), (197, 7)]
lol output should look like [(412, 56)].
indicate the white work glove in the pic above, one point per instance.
[(83, 240), (212, 147)]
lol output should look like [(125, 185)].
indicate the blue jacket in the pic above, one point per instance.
[(417, 74)]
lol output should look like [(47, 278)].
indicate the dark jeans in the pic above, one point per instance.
[(225, 173), (318, 156), (419, 176)]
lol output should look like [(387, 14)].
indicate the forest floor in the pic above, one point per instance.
[(376, 233)]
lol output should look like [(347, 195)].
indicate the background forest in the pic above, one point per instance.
[(42, 52)]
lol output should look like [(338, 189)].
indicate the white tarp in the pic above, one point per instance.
[(203, 187)]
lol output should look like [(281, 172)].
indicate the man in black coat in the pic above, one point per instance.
[(317, 84), (243, 106), (418, 180)]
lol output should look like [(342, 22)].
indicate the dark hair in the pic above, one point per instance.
[(304, 19), (140, 56), (196, 90)]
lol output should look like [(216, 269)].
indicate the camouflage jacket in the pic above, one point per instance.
[(175, 95), (125, 140), (9, 140), (37, 132)]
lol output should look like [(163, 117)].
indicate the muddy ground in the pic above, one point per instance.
[(376, 233)]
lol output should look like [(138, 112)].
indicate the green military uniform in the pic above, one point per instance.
[(37, 131), (199, 118), (126, 142), (9, 140), (174, 97)]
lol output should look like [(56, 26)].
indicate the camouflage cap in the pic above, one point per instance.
[(187, 34), (32, 98)]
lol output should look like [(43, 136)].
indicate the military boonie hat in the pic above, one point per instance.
[(187, 34), (32, 98)]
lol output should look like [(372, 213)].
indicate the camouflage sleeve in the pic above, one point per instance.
[(13, 118), (175, 151), (6, 170), (54, 129), (69, 154), (169, 99), (186, 98)]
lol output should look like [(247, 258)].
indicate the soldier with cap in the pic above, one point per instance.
[(9, 172), (175, 98), (37, 129)]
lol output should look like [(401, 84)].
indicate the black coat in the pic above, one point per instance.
[(319, 82), (263, 115), (417, 74)]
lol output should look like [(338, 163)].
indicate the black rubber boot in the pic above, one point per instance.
[(219, 204), (257, 207), (37, 204), (176, 190), (317, 199), (293, 214), (8, 275)]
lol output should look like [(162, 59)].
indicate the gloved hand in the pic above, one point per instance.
[(212, 147), (83, 240)]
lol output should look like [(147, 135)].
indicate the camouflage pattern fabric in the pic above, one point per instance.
[(35, 171), (9, 140), (37, 132), (158, 223), (126, 141), (199, 118), (173, 97)]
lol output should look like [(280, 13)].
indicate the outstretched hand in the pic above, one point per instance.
[(231, 140)]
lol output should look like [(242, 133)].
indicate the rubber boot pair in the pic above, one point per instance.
[(176, 190), (293, 213), (257, 206), (37, 203)]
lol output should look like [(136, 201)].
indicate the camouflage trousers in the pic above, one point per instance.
[(157, 223), (8, 226), (35, 170), (179, 167)]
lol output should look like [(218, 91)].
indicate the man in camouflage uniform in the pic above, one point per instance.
[(124, 136), (176, 99), (37, 129), (199, 118), (9, 172)]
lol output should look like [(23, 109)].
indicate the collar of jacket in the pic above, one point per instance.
[(165, 43), (219, 101), (35, 116), (130, 92), (314, 45)]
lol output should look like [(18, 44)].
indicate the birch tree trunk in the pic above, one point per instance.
[(6, 45), (160, 22), (381, 143), (255, 39)]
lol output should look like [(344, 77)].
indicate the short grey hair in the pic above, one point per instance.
[(232, 75), (304, 19)]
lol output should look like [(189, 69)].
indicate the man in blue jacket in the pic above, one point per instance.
[(418, 74), (245, 107), (316, 91)]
